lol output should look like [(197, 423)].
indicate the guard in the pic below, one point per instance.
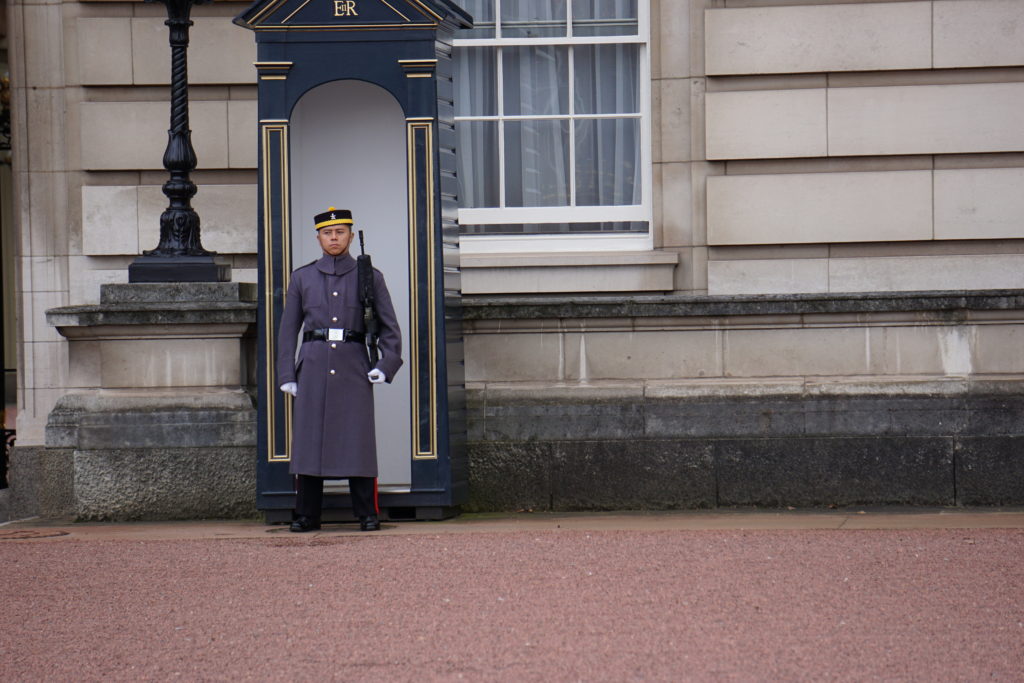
[(331, 377)]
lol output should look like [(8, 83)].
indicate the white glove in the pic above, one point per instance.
[(375, 376), (290, 388)]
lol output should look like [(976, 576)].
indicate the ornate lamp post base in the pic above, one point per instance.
[(178, 269)]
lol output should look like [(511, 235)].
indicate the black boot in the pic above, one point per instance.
[(302, 524), (369, 523)]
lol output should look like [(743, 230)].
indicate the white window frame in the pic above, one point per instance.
[(643, 212)]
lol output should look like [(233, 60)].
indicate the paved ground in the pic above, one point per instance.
[(850, 595)]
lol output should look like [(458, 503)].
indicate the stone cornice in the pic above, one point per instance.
[(945, 303), (229, 303)]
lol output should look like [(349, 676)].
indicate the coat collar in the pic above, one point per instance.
[(336, 265)]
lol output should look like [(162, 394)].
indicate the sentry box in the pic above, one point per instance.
[(355, 111)]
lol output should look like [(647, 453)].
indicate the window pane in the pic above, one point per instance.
[(607, 162), (639, 227), (537, 163), (478, 163), (607, 79), (533, 18), (604, 18), (483, 19), (536, 80), (476, 87)]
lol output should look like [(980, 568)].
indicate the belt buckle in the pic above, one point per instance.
[(335, 334)]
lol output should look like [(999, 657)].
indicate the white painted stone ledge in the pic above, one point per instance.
[(535, 273)]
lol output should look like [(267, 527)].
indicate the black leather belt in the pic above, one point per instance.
[(333, 334)]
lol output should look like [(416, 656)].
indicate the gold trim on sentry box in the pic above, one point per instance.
[(427, 10), (340, 27), (395, 10), (418, 68), (273, 71), (266, 11), (416, 127), (294, 12), (270, 130), (274, 6), (286, 266)]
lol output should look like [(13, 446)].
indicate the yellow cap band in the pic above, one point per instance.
[(336, 221), (332, 216)]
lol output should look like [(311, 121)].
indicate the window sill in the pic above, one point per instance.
[(573, 243), (560, 272)]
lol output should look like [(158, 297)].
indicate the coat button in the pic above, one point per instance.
[(334, 294), (334, 320), (334, 346), (332, 372)]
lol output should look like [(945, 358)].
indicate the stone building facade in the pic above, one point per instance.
[(823, 302)]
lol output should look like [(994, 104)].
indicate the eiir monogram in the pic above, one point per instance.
[(345, 8)]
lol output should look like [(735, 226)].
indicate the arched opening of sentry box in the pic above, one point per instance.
[(348, 150)]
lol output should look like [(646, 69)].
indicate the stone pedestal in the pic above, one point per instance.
[(160, 423)]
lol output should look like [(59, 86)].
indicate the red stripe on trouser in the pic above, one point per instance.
[(376, 504)]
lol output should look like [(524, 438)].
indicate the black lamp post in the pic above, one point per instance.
[(179, 257)]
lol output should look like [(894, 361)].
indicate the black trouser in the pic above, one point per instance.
[(309, 496)]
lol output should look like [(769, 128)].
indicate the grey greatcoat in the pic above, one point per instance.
[(333, 428)]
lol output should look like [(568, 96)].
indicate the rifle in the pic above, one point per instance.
[(368, 300)]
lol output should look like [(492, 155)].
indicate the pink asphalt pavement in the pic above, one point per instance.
[(552, 598)]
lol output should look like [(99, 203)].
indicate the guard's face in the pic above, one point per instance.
[(334, 239)]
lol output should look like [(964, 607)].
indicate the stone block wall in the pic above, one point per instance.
[(91, 109), (611, 452), (863, 146), (679, 402), (798, 148)]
